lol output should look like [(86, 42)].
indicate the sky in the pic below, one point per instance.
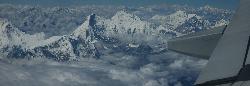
[(226, 4)]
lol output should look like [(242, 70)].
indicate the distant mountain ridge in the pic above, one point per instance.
[(35, 19)]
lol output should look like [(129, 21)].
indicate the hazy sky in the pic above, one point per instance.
[(228, 4)]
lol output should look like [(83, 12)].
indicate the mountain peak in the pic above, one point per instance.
[(180, 12), (92, 20), (125, 16), (175, 19), (10, 35), (124, 21), (81, 31)]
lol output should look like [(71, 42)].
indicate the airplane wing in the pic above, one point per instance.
[(199, 44), (229, 58)]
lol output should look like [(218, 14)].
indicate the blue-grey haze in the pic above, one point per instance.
[(225, 4)]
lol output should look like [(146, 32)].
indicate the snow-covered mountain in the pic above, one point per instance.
[(184, 22), (193, 24), (173, 20), (9, 35), (17, 44), (123, 30), (12, 38)]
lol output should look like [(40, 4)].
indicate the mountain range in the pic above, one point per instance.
[(123, 32)]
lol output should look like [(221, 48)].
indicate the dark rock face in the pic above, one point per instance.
[(18, 53)]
